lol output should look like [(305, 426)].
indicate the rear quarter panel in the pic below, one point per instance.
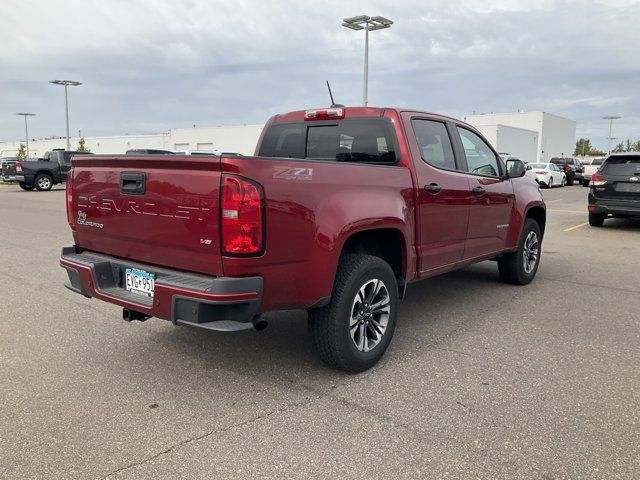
[(312, 207)]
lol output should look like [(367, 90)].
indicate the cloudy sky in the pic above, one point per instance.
[(151, 65)]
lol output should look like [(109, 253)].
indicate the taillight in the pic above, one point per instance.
[(597, 179), (71, 219), (541, 172), (325, 114), (242, 212), (18, 167)]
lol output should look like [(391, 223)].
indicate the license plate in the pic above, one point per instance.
[(627, 187), (140, 282)]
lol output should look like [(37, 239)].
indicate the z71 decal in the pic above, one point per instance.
[(293, 173)]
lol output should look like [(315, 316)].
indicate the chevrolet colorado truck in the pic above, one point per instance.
[(44, 173), (338, 211)]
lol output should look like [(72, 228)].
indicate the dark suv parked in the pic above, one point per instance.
[(571, 167), (615, 189)]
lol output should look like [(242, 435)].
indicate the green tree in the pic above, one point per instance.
[(81, 146), (22, 153), (636, 146), (583, 147), (619, 148), (628, 147)]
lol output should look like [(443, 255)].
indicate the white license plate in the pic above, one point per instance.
[(140, 282)]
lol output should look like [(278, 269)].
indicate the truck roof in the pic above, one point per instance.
[(353, 112)]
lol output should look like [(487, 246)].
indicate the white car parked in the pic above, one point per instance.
[(548, 174)]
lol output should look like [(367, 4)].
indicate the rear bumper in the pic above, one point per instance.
[(613, 206), (178, 296)]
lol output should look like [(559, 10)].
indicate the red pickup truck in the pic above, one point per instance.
[(337, 212)]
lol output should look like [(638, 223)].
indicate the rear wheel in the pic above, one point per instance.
[(596, 219), (354, 330), (520, 267), (570, 180), (564, 181), (26, 186), (550, 185), (585, 183), (43, 182)]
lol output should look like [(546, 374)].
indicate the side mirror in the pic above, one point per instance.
[(515, 168)]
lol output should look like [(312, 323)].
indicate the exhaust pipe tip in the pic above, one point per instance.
[(129, 315), (260, 324)]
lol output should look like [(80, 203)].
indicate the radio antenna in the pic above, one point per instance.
[(333, 104)]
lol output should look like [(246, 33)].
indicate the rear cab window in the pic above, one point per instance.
[(358, 140)]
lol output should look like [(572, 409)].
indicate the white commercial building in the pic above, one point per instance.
[(556, 136), (238, 139)]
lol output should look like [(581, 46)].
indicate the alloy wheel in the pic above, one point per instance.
[(370, 313), (530, 252), (44, 183)]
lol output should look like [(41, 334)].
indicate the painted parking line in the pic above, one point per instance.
[(575, 227), (566, 211)]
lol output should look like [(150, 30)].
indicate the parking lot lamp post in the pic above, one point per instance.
[(611, 118), (66, 83), (26, 129), (368, 24)]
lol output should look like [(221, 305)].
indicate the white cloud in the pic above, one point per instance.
[(152, 65)]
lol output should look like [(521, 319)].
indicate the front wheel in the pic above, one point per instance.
[(354, 330), (520, 267), (26, 186), (43, 182), (585, 183)]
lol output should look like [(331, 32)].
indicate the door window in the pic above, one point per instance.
[(434, 143), (480, 158)]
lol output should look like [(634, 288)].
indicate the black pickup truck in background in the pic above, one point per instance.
[(43, 173)]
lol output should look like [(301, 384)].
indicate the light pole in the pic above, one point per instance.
[(368, 24), (26, 129), (66, 84), (611, 118)]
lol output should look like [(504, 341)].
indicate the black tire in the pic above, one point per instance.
[(585, 183), (26, 186), (570, 180), (596, 219), (330, 327), (550, 184), (43, 182), (514, 267)]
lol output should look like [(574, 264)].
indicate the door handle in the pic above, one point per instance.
[(433, 188), (133, 183), (479, 190)]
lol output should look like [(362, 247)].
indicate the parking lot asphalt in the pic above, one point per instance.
[(482, 380)]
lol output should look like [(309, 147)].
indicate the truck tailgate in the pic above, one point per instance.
[(160, 210)]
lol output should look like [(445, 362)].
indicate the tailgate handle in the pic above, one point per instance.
[(133, 183)]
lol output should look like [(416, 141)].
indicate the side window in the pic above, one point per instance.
[(285, 140), (480, 158), (434, 143)]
